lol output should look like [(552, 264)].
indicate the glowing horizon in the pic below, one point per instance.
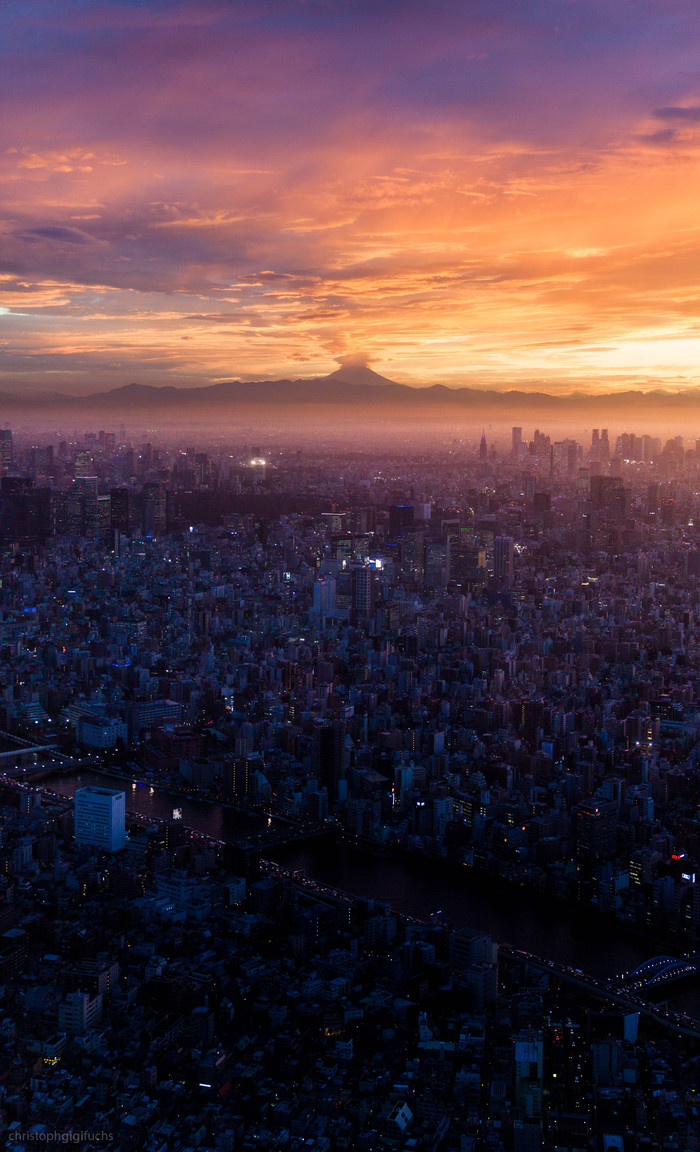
[(499, 195)]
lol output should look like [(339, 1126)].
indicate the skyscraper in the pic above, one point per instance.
[(503, 559), (363, 590), (401, 516), (517, 434), (608, 495), (25, 511), (596, 830), (100, 818), (5, 450), (328, 756), (154, 509), (324, 595)]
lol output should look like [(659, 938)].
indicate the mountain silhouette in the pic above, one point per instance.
[(353, 388)]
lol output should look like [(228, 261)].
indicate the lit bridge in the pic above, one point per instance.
[(656, 973), (278, 834)]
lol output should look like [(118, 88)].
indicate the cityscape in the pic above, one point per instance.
[(350, 575), (348, 806)]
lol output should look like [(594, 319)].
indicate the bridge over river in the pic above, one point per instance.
[(631, 1001), (656, 973)]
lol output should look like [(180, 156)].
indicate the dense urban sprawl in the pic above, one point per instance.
[(484, 657)]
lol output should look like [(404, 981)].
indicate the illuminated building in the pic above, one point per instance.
[(99, 818)]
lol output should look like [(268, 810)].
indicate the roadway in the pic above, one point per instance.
[(676, 1021)]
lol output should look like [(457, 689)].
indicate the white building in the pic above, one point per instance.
[(79, 1011), (100, 818), (101, 733)]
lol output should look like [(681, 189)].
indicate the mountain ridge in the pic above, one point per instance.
[(352, 386)]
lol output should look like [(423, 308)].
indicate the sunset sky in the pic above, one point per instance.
[(492, 193)]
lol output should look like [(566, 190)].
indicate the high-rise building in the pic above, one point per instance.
[(413, 555), (87, 487), (363, 590), (517, 435), (5, 450), (324, 595), (154, 509), (401, 517), (467, 561), (668, 511), (437, 563), (25, 511), (596, 830), (122, 511), (483, 447), (503, 559), (83, 463), (608, 495), (595, 444), (100, 818), (329, 757)]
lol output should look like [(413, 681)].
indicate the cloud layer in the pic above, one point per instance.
[(496, 193)]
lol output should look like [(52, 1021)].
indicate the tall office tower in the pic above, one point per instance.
[(87, 487), (596, 830), (608, 495), (503, 559), (329, 756), (668, 512), (41, 461), (595, 444), (566, 456), (517, 434), (5, 450), (122, 511), (104, 517), (401, 516), (154, 509), (363, 590), (467, 562), (437, 563), (413, 555), (571, 457), (83, 464), (324, 595), (202, 468), (483, 447), (25, 511), (100, 818), (604, 445)]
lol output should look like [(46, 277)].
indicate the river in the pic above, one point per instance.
[(216, 820), (414, 887)]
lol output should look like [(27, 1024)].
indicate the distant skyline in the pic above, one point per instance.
[(491, 194)]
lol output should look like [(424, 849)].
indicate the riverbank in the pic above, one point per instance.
[(487, 880), (416, 886), (170, 789)]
